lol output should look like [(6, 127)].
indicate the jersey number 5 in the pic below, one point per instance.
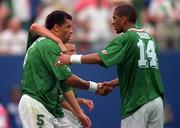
[(40, 121), (147, 55)]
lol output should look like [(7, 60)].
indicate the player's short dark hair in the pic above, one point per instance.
[(56, 17), (127, 11)]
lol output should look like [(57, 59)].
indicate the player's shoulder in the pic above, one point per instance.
[(44, 39), (136, 32), (122, 36), (46, 44)]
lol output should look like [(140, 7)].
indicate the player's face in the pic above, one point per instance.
[(65, 31), (118, 23)]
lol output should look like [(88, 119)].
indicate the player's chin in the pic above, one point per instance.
[(67, 40), (116, 31)]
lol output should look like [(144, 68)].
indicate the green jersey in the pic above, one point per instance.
[(42, 80), (135, 54)]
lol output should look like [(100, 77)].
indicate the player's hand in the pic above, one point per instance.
[(108, 84), (89, 103), (63, 59), (85, 121), (104, 88)]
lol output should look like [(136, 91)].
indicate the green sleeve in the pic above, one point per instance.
[(66, 88), (115, 52)]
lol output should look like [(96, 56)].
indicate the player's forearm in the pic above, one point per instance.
[(91, 59), (38, 29), (43, 31), (77, 82), (73, 102), (66, 105)]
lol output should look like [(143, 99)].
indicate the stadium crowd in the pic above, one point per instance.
[(92, 21)]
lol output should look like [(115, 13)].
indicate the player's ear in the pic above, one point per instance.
[(124, 19), (56, 27)]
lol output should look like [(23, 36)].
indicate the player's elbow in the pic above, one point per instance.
[(34, 27)]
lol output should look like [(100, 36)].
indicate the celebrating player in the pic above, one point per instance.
[(135, 54), (43, 83)]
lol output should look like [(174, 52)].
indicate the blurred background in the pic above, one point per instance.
[(92, 32)]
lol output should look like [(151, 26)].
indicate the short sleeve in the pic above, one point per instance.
[(66, 88)]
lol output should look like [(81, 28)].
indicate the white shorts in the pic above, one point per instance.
[(72, 118), (150, 115), (34, 115)]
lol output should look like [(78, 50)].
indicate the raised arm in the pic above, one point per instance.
[(43, 31)]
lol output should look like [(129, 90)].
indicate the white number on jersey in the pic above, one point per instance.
[(143, 35), (147, 55)]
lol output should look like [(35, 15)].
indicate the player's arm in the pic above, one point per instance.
[(75, 81), (115, 53), (43, 31), (66, 105), (69, 95), (89, 103), (92, 58)]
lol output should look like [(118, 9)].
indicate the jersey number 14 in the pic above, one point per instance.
[(147, 55)]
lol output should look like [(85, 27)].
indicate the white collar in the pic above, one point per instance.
[(135, 29)]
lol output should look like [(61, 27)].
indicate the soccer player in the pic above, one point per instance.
[(68, 111), (135, 54), (43, 82)]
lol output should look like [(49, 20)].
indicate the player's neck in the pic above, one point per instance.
[(130, 26)]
